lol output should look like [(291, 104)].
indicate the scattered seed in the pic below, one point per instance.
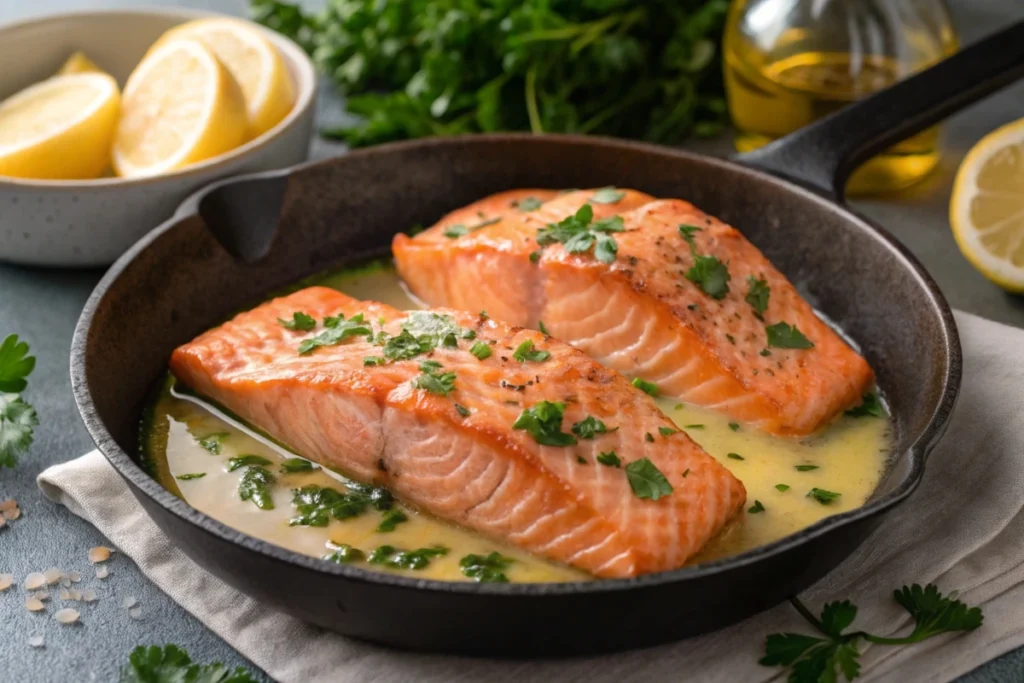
[(99, 554), (65, 582), (7, 505), (102, 572), (129, 602), (89, 596), (66, 615), (65, 594), (11, 515), (75, 577), (135, 613), (36, 641), (6, 581), (53, 575), (34, 604), (34, 580)]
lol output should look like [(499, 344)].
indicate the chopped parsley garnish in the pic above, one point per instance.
[(527, 204), (757, 294), (870, 407), (296, 465), (171, 664), (373, 360), (392, 518), (534, 256), (433, 329), (189, 477), (755, 508), (526, 352), (486, 568), (300, 322), (667, 431), (837, 655), (734, 426), (317, 504), (462, 410), (18, 418), (255, 486), (395, 558), (213, 443), (483, 314), (589, 427), (693, 427), (785, 336), (707, 272), (404, 346), (649, 388), (245, 461), (343, 553), (481, 350), (806, 468), (579, 234), (782, 487), (338, 330), (646, 480), (822, 496), (544, 330), (608, 195), (610, 459), (459, 229), (735, 456), (648, 437), (433, 380), (543, 421)]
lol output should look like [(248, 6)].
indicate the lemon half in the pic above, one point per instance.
[(59, 129), (180, 106), (987, 209)]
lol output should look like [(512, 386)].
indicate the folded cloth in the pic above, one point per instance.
[(962, 529)]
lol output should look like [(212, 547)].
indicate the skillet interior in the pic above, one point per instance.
[(180, 280)]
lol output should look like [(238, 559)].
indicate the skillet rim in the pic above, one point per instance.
[(917, 451)]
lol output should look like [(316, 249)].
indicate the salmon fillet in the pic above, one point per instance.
[(458, 455), (647, 314)]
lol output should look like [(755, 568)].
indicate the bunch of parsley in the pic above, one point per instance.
[(646, 69), (17, 417)]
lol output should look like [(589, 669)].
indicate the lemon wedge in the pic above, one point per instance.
[(987, 208), (59, 129), (180, 106), (78, 63), (253, 61)]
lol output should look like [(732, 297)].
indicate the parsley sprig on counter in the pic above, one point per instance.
[(171, 664), (646, 70), (18, 418), (814, 659)]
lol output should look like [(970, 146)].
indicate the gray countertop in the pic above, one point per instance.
[(43, 305)]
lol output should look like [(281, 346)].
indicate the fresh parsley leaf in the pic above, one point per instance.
[(433, 329), (338, 330), (343, 553), (646, 480), (245, 461), (698, 426), (462, 410), (171, 664), (434, 381), (526, 352), (544, 330), (481, 350), (735, 456), (543, 421), (373, 360), (392, 518), (316, 505), (667, 431), (756, 508), (527, 204), (296, 465), (757, 294), (488, 568), (15, 365), (589, 427), (213, 443), (711, 275), (822, 496), (687, 232), (870, 407), (300, 322), (17, 422), (782, 487), (578, 234), (608, 195), (455, 231), (191, 476), (933, 613), (649, 388), (609, 459), (255, 486), (395, 558), (404, 346), (785, 336), (805, 468)]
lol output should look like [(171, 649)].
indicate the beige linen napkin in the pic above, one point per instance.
[(963, 529)]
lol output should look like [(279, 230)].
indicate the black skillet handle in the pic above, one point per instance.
[(825, 153)]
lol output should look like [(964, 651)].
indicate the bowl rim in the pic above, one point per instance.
[(916, 451), (306, 81)]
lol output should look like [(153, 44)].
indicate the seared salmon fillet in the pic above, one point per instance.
[(507, 444), (686, 302)]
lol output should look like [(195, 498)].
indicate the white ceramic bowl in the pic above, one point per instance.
[(91, 222)]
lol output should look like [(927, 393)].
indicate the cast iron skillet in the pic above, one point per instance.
[(231, 244)]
